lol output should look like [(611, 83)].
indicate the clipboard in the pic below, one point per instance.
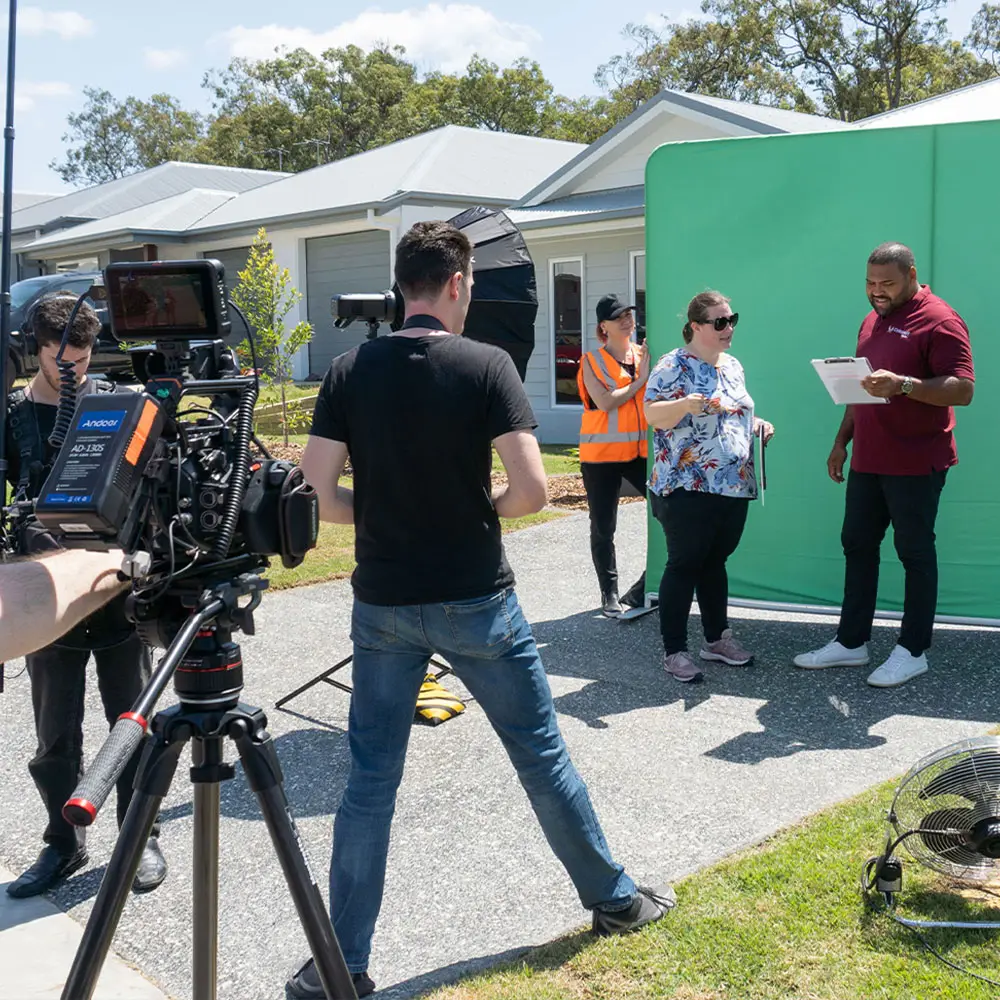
[(761, 449), (842, 378)]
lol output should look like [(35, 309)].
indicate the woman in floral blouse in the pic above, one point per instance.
[(703, 480)]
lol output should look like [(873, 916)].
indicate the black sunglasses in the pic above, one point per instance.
[(721, 322)]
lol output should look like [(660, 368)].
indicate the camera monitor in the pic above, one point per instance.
[(167, 300)]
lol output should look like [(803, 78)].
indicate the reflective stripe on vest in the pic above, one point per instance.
[(618, 435)]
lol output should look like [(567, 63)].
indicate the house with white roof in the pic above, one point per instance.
[(585, 228), (335, 226)]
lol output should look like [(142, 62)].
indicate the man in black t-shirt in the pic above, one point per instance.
[(58, 672), (417, 413)]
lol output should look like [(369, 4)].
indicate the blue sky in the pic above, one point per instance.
[(140, 49)]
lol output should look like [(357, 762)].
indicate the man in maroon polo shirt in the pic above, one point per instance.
[(919, 349)]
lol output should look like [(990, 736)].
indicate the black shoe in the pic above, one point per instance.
[(636, 595), (152, 868), (49, 869), (305, 984), (650, 904)]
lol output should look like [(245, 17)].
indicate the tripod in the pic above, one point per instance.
[(208, 677)]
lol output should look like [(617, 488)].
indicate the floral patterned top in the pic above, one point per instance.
[(711, 452)]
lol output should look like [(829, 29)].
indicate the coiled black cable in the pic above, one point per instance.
[(67, 384), (241, 471)]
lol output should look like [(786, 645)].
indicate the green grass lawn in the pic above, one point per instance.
[(333, 557), (784, 921), (558, 459)]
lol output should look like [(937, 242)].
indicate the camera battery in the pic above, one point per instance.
[(93, 481)]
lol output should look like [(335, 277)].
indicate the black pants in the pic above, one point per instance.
[(58, 677), (603, 482), (702, 530), (910, 505)]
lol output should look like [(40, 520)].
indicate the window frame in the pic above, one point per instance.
[(552, 262), (633, 256)]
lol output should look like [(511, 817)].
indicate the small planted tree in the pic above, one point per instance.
[(265, 295)]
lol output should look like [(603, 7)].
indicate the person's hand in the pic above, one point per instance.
[(835, 462), (763, 426), (642, 357), (695, 403), (882, 384)]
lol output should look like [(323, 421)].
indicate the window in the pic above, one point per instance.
[(639, 292), (567, 328)]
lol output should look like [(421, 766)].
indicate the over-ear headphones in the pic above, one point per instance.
[(28, 337)]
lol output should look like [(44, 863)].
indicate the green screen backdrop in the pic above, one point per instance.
[(784, 225)]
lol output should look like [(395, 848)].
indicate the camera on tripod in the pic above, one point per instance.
[(176, 488)]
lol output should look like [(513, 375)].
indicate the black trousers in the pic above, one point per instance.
[(58, 678), (910, 505), (702, 531), (602, 482)]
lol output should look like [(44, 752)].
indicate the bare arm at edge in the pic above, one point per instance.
[(42, 599)]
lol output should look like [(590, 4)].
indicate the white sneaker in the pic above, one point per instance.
[(833, 654), (902, 666)]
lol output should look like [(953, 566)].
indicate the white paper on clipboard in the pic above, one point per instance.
[(842, 378), (761, 468)]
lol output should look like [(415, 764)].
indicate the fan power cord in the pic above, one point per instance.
[(869, 878)]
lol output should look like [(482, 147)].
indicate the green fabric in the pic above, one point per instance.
[(783, 225)]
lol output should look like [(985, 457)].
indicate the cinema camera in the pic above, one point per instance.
[(198, 516), (177, 489)]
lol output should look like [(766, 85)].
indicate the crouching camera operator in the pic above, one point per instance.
[(57, 672)]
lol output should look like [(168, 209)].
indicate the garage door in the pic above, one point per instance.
[(233, 260), (336, 265)]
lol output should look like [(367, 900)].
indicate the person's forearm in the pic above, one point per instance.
[(846, 432), (946, 390), (519, 503), (337, 505), (42, 599), (618, 397), (666, 414)]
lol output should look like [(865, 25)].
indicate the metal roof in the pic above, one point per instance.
[(773, 119), (169, 216), (740, 119), (139, 189), (452, 162), (976, 103), (24, 199), (620, 203)]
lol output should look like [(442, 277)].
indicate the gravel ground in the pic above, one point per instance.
[(680, 775)]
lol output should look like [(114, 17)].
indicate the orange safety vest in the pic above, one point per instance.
[(618, 435)]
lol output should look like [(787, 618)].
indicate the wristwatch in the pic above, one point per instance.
[(907, 387)]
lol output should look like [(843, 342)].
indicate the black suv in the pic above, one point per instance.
[(108, 358)]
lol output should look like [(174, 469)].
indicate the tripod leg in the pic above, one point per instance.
[(260, 763), (205, 754), (159, 761)]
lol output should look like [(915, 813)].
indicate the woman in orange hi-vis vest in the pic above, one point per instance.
[(612, 439)]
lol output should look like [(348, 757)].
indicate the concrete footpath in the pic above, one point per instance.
[(37, 945), (680, 776)]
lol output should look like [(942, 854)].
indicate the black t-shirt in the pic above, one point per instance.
[(418, 415)]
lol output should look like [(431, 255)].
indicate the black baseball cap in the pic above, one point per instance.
[(611, 307)]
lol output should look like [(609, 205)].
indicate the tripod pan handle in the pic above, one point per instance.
[(97, 784)]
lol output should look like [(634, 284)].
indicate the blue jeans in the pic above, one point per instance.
[(489, 644)]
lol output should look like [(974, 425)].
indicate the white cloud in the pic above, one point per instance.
[(440, 36), (160, 59), (27, 95), (67, 24)]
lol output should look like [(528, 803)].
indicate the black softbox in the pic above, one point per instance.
[(504, 294)]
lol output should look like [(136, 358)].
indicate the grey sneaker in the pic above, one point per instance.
[(306, 984), (650, 904), (611, 606), (681, 667), (726, 650)]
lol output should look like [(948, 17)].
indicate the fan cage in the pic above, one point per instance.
[(951, 796)]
